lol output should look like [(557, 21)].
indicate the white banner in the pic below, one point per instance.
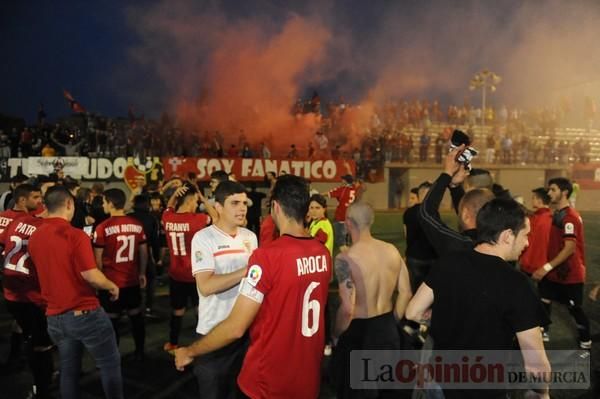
[(77, 167)]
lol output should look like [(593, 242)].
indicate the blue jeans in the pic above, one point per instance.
[(93, 331)]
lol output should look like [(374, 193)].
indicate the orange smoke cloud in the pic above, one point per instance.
[(252, 84)]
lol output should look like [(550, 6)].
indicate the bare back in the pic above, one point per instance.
[(375, 268)]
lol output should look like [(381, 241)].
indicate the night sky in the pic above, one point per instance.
[(110, 54)]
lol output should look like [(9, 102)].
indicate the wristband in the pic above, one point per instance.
[(547, 267)]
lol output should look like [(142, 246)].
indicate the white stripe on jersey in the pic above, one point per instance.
[(215, 250)]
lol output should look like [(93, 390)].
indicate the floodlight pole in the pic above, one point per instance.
[(483, 80)]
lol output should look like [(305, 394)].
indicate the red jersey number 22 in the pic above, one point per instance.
[(19, 265)]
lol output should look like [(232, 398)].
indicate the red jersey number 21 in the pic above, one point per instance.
[(125, 253)]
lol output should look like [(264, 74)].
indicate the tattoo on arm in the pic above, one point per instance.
[(342, 271)]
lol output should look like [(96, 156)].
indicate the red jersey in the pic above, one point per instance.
[(268, 231), (61, 253), (7, 218), (40, 209), (120, 237), (179, 230), (567, 225), (345, 195), (536, 254), (20, 281), (290, 278)]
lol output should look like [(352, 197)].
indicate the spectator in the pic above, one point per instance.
[(490, 150), (440, 142), (293, 153), (68, 279), (246, 151), (424, 141), (322, 143), (4, 145), (255, 210)]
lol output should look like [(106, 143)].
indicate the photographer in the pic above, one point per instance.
[(441, 237)]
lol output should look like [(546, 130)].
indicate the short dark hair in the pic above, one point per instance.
[(475, 199), (41, 179), (563, 184), (24, 190), (293, 195), (115, 196), (56, 197), (71, 184), (480, 178), (192, 190), (19, 178), (226, 189), (83, 194), (141, 203), (415, 191), (156, 195), (219, 175), (500, 192), (319, 199), (498, 215), (542, 194)]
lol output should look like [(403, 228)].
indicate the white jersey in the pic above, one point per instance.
[(214, 250)]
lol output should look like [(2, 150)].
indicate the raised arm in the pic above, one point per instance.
[(441, 237)]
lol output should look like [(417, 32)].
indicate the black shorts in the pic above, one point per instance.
[(32, 320), (217, 371), (375, 333), (130, 298), (179, 293), (567, 294)]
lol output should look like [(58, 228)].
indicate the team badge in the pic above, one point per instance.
[(254, 275), (248, 245), (198, 256), (569, 228)]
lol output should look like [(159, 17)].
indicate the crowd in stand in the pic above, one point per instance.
[(388, 133)]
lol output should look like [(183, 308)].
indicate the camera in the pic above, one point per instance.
[(459, 138)]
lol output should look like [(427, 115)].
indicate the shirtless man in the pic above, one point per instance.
[(368, 274)]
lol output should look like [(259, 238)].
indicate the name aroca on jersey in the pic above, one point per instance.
[(311, 264), (311, 308), (307, 265)]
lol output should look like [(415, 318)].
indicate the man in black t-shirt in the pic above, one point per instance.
[(141, 211), (479, 302), (255, 211), (420, 254)]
